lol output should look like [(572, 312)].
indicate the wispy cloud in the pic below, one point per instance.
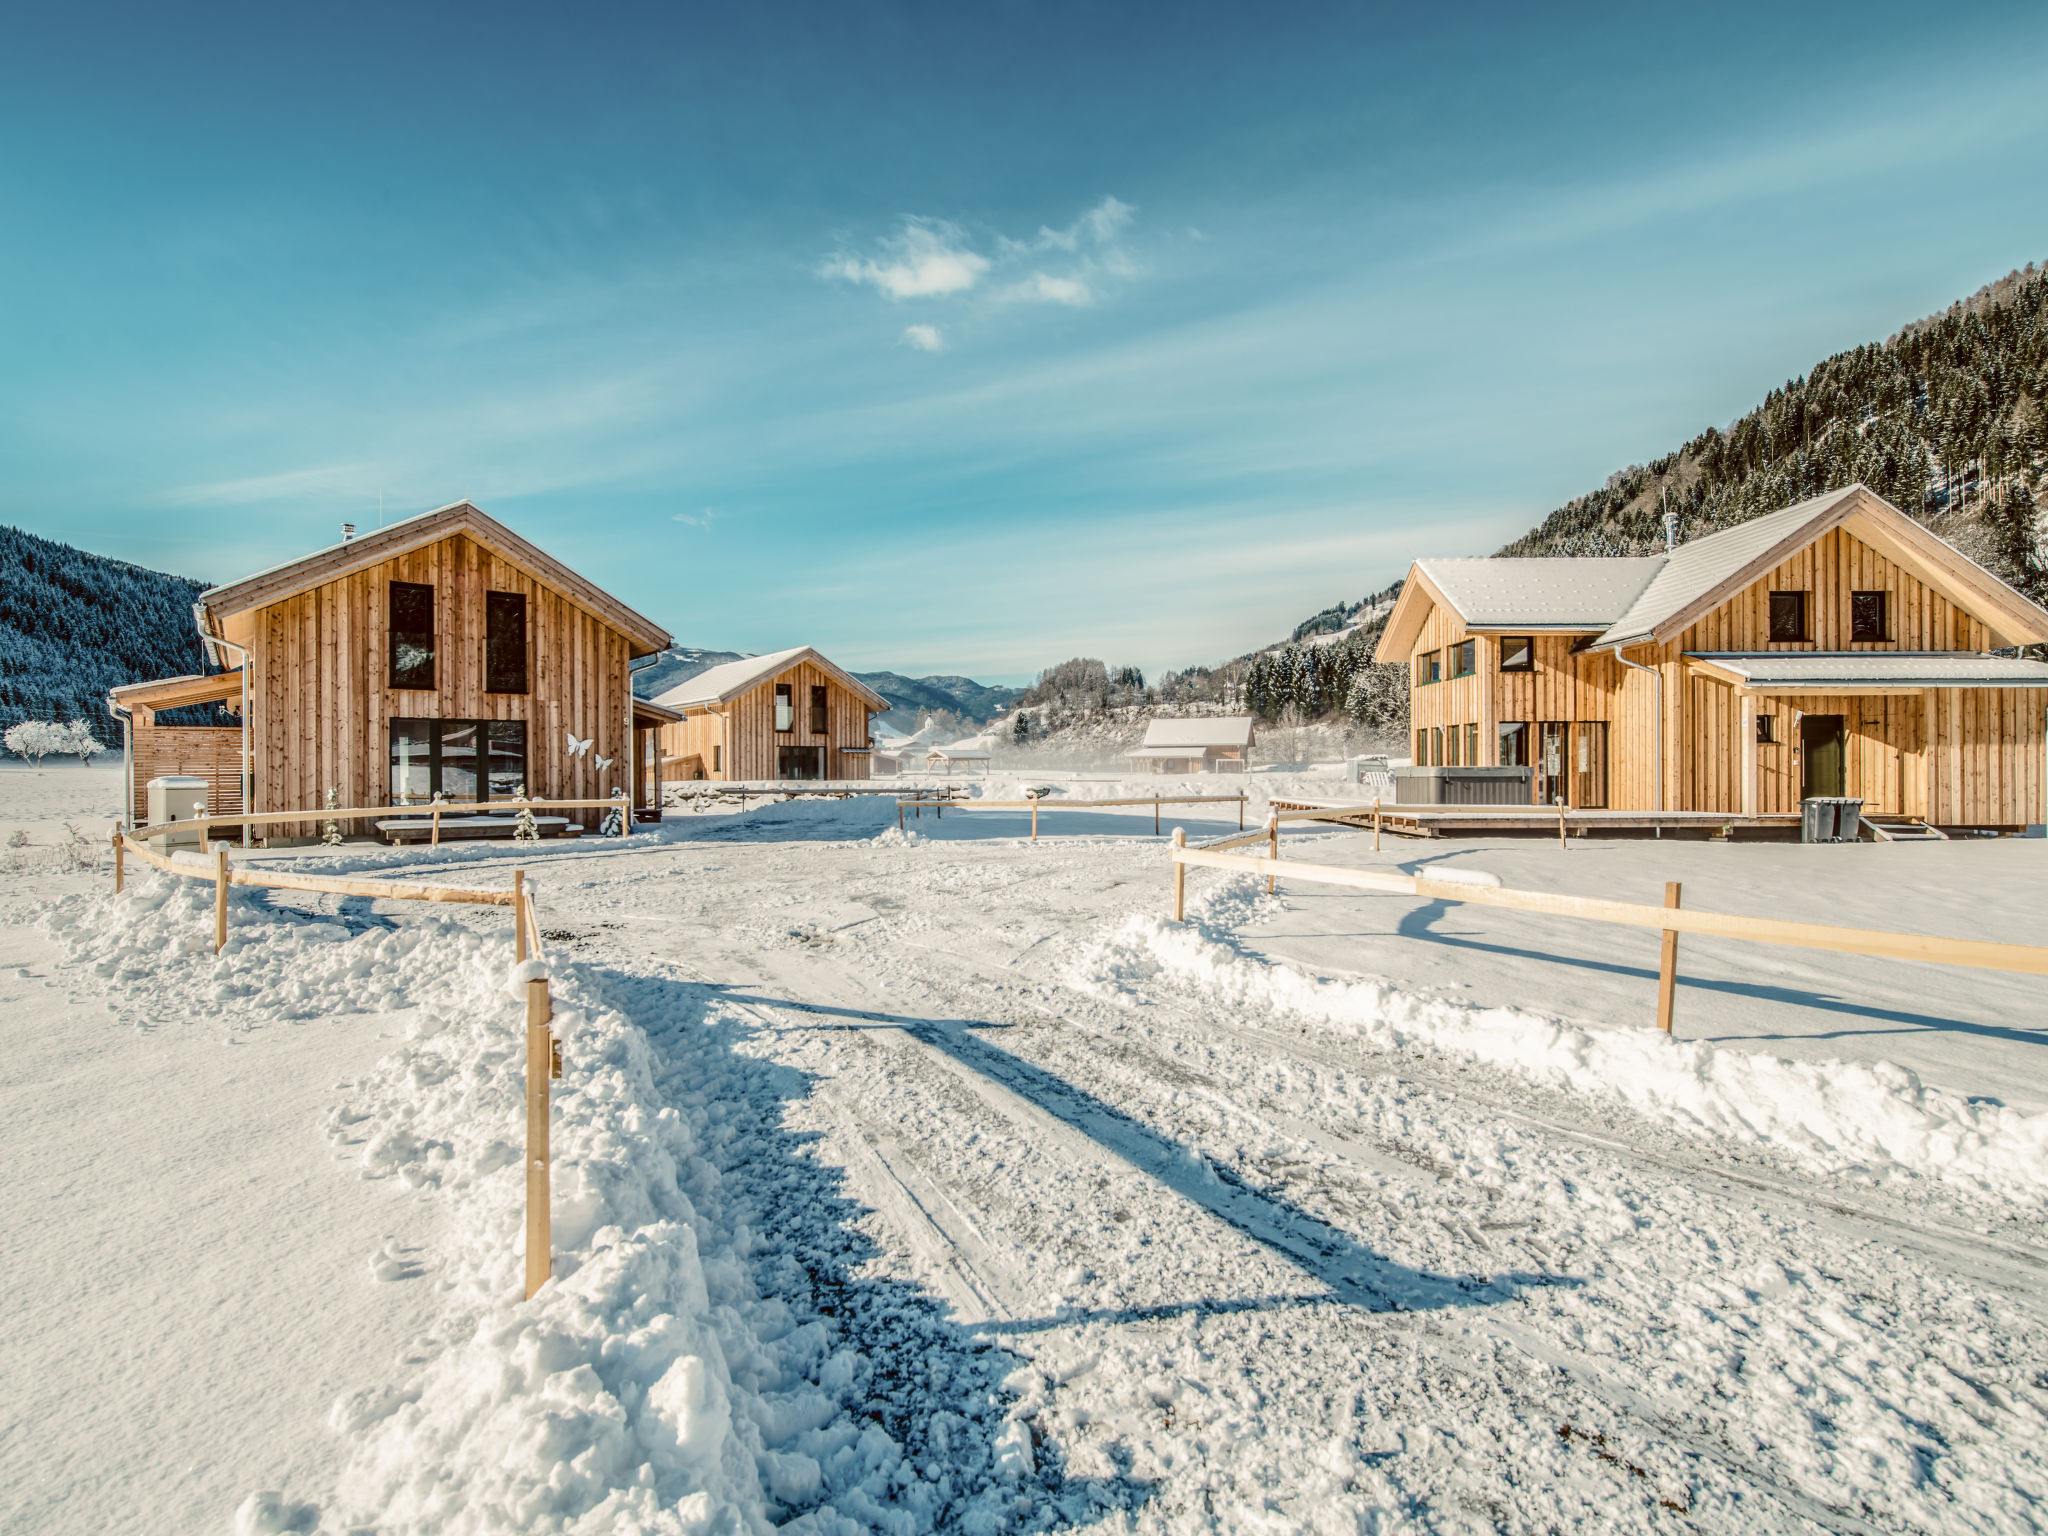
[(925, 259), (931, 258), (703, 519)]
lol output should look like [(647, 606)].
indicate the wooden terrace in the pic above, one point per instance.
[(1546, 821)]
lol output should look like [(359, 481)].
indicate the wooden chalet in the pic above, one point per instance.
[(439, 655), (789, 715), (1204, 744), (1835, 647)]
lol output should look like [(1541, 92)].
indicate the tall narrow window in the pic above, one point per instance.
[(1436, 745), (1428, 667), (1788, 616), (1514, 743), (1422, 749), (504, 642), (785, 706), (817, 710), (717, 758), (1867, 616), (1518, 653), (412, 635), (1472, 745), (1451, 747)]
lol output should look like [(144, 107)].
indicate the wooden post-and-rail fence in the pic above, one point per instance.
[(1671, 919), (938, 804), (543, 1049), (432, 812)]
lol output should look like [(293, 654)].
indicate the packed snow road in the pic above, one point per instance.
[(912, 1183)]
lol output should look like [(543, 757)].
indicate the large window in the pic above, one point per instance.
[(412, 635), (817, 710), (1788, 616), (800, 762), (1465, 658), (1867, 616), (457, 759), (1518, 653), (504, 642), (785, 708)]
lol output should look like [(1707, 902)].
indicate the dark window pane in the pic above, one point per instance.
[(1866, 616), (1514, 744), (507, 768), (785, 707), (1766, 728), (458, 759), (1465, 658), (1788, 616), (412, 760), (412, 635), (1517, 653), (817, 710), (504, 642)]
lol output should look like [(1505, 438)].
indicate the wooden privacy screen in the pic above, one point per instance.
[(209, 752)]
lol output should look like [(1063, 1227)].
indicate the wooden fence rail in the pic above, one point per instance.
[(431, 811), (1671, 919), (543, 1049), (939, 805)]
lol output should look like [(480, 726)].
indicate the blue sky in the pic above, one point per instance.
[(961, 338)]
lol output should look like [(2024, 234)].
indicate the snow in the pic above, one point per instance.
[(931, 1180)]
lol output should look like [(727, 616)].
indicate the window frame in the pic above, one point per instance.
[(1516, 731), (1464, 658), (1472, 745), (495, 605), (1766, 730), (1528, 663), (1429, 668), (1805, 624), (434, 728), (396, 637), (785, 708), (821, 711), (1884, 617)]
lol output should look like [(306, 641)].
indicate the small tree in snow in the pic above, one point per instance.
[(36, 739), (330, 833), (527, 830), (80, 739)]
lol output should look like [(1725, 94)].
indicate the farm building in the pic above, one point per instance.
[(440, 655), (969, 756), (789, 715), (1217, 744), (1835, 647)]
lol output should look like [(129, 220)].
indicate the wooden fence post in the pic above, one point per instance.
[(540, 1060), (1034, 819), (120, 870), (1240, 810), (899, 815), (1155, 815), (519, 916), (1667, 971), (1180, 877), (437, 828), (1562, 845), (220, 898), (1375, 823), (1272, 844)]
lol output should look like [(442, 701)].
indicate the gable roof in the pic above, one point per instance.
[(1200, 732), (1656, 597), (729, 679), (402, 537)]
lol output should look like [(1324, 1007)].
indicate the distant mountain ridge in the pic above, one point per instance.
[(74, 624)]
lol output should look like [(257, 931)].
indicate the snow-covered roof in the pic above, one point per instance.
[(961, 751), (1542, 592), (728, 680), (1826, 670), (1693, 570), (1200, 732)]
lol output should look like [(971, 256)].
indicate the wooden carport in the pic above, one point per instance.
[(215, 753)]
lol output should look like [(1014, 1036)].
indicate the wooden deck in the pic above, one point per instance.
[(1542, 821)]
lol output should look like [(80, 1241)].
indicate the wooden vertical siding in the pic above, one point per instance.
[(320, 669), (209, 752), (744, 728)]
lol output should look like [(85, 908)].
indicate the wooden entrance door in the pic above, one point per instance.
[(1821, 756)]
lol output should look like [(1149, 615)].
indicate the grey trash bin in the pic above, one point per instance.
[(1829, 819)]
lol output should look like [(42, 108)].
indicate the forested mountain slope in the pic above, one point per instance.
[(73, 625), (1948, 420)]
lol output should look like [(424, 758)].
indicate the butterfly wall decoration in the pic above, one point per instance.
[(578, 745)]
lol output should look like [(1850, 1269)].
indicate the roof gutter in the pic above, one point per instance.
[(1657, 677)]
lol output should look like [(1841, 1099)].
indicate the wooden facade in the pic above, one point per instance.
[(316, 640), (735, 739), (1961, 756)]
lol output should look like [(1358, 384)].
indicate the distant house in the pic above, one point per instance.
[(1835, 647), (443, 654), (789, 715), (1213, 744), (969, 756)]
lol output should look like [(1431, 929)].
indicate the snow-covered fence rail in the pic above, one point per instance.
[(918, 803), (543, 1050), (1671, 919)]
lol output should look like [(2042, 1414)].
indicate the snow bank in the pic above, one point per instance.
[(1877, 1121), (650, 1387)]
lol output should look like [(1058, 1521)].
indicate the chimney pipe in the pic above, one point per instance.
[(348, 531), (1670, 529)]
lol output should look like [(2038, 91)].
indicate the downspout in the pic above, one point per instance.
[(213, 645), (1657, 676), (127, 718)]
